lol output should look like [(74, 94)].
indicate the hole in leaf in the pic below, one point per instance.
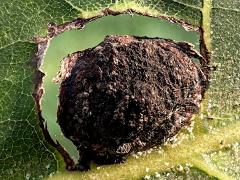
[(94, 32)]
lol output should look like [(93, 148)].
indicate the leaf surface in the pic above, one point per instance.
[(210, 148)]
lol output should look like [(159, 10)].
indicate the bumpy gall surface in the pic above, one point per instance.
[(127, 94)]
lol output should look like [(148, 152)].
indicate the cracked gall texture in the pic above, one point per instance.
[(127, 94)]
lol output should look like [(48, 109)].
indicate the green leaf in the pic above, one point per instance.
[(22, 144), (209, 148)]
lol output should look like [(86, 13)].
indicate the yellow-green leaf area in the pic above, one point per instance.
[(187, 10), (226, 159), (224, 91), (24, 153)]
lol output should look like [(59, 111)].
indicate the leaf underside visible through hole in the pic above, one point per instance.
[(24, 152)]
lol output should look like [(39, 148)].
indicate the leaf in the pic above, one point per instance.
[(210, 148), (22, 144)]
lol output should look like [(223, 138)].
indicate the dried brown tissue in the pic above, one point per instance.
[(54, 30)]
